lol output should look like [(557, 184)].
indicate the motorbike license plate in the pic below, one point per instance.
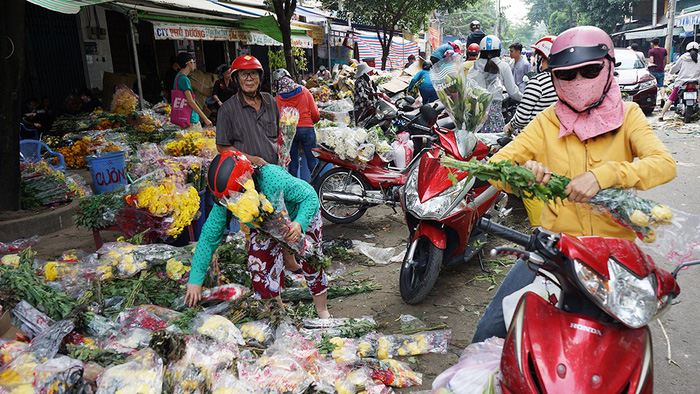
[(690, 95)]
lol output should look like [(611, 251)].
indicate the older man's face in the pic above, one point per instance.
[(249, 80)]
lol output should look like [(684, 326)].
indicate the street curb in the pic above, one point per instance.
[(40, 224)]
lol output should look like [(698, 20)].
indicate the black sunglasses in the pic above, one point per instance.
[(589, 72)]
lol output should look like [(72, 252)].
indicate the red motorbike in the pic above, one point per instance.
[(441, 214), (593, 337), (350, 188)]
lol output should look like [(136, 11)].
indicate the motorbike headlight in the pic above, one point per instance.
[(647, 84), (624, 296), (438, 206)]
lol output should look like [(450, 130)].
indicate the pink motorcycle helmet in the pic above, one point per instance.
[(580, 46)]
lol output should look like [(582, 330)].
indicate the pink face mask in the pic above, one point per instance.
[(581, 93)]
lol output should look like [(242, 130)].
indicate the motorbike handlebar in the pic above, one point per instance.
[(504, 232)]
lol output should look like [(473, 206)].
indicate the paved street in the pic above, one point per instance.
[(682, 322)]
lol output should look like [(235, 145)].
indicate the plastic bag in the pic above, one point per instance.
[(141, 373), (149, 317), (679, 241), (465, 101), (202, 361), (11, 349), (365, 152), (124, 260), (478, 370), (31, 321), (124, 101), (18, 374), (379, 255), (402, 150), (279, 373), (258, 333), (19, 244), (227, 383), (229, 292), (393, 373), (289, 118), (217, 327), (58, 375)]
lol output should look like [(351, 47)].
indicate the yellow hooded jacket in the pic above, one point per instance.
[(610, 157)]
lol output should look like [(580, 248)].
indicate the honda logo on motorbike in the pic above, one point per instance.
[(587, 329)]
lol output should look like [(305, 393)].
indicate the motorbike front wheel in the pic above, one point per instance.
[(341, 180), (419, 271)]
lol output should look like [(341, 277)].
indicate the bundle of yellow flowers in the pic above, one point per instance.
[(193, 143), (167, 198), (250, 207), (124, 101), (147, 122)]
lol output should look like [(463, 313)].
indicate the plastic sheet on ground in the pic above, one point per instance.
[(142, 373), (478, 370), (381, 256)]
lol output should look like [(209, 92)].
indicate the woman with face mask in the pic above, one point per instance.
[(589, 135)]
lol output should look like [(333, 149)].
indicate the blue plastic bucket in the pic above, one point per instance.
[(108, 171)]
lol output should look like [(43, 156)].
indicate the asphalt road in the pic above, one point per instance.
[(682, 322)]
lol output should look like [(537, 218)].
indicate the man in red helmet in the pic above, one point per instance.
[(249, 120), (472, 56)]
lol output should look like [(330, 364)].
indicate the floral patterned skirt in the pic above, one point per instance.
[(494, 121), (266, 263)]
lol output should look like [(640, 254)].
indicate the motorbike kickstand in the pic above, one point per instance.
[(481, 264)]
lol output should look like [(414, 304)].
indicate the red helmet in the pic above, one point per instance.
[(473, 48), (227, 172), (246, 62)]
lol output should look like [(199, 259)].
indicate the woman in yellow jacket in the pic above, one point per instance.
[(589, 135)]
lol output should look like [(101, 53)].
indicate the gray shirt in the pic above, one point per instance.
[(519, 70), (251, 132)]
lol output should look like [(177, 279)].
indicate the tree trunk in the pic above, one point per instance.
[(11, 70), (284, 9), (571, 17), (386, 45)]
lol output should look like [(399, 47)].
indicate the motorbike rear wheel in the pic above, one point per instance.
[(341, 180), (688, 114), (418, 276)]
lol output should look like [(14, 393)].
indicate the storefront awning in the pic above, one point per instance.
[(651, 33), (312, 14), (66, 6)]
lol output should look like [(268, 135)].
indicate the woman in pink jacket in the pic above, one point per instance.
[(291, 94)]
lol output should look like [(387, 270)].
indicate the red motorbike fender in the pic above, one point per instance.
[(549, 350), (435, 235)]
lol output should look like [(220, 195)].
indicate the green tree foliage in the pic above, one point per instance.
[(456, 23), (560, 15), (388, 15)]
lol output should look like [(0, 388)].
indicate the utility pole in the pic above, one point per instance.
[(670, 28), (498, 20)]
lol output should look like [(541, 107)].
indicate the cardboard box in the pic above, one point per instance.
[(7, 330)]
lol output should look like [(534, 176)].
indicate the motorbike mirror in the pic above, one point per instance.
[(684, 265), (429, 113)]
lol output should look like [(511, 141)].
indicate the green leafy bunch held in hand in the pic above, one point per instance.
[(636, 213)]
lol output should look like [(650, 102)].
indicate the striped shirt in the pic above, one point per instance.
[(251, 132), (538, 95)]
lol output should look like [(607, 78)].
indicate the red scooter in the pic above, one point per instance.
[(594, 337), (441, 215)]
